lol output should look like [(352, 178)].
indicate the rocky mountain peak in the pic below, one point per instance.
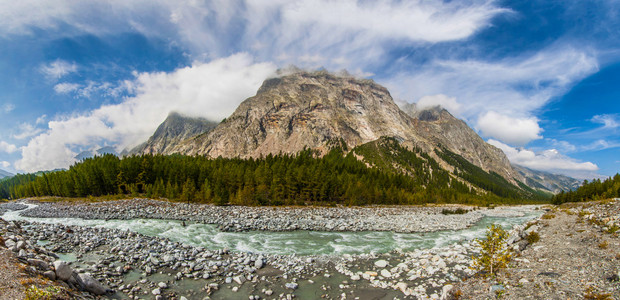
[(305, 109), (175, 129)]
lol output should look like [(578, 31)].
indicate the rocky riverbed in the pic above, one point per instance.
[(124, 264), (243, 218)]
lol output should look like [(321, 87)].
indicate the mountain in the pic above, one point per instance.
[(173, 132), (5, 174), (320, 111), (442, 128), (303, 110), (553, 183)]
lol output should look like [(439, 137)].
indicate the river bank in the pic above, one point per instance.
[(140, 266), (404, 219)]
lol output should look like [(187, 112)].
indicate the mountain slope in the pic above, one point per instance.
[(303, 110), (4, 174), (174, 130), (439, 126), (553, 183)]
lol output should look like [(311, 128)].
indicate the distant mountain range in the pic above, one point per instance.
[(5, 174), (318, 110)]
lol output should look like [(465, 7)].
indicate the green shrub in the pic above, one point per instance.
[(494, 254), (532, 237)]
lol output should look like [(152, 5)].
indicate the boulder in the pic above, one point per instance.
[(90, 284), (63, 270)]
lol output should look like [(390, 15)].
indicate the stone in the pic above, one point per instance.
[(20, 245), (385, 273), (228, 280), (381, 263), (258, 264), (156, 291), (268, 292), (63, 270), (235, 288), (445, 291), (51, 275), (402, 287), (355, 277), (291, 285), (9, 243), (239, 279), (162, 285), (523, 281), (90, 284)]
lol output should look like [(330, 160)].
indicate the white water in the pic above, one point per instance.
[(292, 242)]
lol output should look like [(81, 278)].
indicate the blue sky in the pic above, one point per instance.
[(538, 79)]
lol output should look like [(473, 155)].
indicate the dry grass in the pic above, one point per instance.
[(603, 245)]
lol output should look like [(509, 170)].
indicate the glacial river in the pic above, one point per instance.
[(294, 242)]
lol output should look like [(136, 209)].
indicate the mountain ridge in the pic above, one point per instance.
[(317, 110)]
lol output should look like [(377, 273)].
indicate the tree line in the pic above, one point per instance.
[(593, 190), (301, 179)]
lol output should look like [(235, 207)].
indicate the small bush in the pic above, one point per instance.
[(548, 216), (494, 254), (458, 211), (592, 295), (532, 237), (612, 229)]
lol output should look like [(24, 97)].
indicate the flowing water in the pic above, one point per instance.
[(292, 242)]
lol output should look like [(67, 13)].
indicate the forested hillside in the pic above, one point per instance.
[(594, 190), (388, 174)]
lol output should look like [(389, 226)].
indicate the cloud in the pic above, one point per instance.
[(5, 164), (548, 160), (7, 108), (608, 121), (40, 120), (515, 86), (58, 69), (6, 147), (65, 88), (442, 100), (210, 90), (510, 130), (308, 32), (26, 130)]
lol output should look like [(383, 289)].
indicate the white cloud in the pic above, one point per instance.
[(548, 160), (26, 130), (608, 121), (5, 164), (211, 90), (308, 32), (442, 100), (41, 119), (65, 87), (7, 108), (58, 69), (515, 131), (6, 147), (517, 86)]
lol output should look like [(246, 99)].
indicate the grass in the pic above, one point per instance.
[(548, 216), (532, 237), (603, 245), (458, 211), (590, 294)]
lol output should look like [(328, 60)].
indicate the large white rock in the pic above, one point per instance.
[(63, 270), (381, 263)]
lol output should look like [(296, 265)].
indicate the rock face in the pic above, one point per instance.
[(440, 127), (545, 181), (174, 130), (304, 110)]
